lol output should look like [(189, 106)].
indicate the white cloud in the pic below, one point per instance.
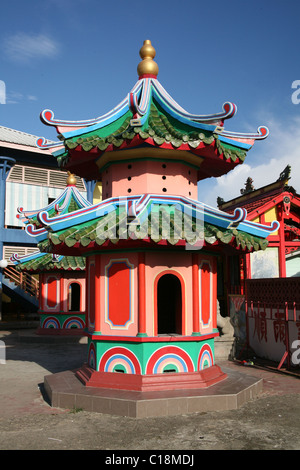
[(15, 97), (280, 149), (23, 48)]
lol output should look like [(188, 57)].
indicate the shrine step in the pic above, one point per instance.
[(66, 391)]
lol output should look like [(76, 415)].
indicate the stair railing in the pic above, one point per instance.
[(25, 281)]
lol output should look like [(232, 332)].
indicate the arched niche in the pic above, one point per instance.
[(169, 303), (74, 297)]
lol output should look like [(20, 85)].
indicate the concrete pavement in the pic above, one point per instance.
[(270, 421)]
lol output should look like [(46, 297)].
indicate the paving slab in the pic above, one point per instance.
[(66, 391), (269, 421)]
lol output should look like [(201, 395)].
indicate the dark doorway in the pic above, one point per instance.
[(169, 305), (74, 297)]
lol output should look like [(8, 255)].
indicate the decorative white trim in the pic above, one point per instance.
[(57, 305), (91, 325), (106, 297), (206, 326)]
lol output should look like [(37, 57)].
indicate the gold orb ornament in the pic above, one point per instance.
[(147, 66), (71, 180)]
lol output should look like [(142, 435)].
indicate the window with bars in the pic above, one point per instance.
[(41, 177)]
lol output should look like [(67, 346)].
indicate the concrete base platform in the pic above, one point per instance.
[(64, 390)]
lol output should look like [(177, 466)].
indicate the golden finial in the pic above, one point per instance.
[(147, 66), (71, 180)]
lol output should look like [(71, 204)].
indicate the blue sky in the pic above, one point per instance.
[(79, 59)]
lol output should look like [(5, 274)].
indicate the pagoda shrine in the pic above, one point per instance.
[(150, 245), (61, 291), (61, 278)]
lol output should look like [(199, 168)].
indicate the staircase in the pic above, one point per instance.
[(21, 286)]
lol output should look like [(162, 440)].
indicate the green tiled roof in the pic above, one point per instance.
[(159, 127), (113, 227), (46, 263)]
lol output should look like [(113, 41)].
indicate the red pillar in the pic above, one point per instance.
[(97, 286), (61, 295), (282, 266), (142, 296), (215, 291)]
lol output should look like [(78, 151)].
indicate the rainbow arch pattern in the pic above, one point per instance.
[(73, 322), (120, 358), (51, 322), (164, 359), (68, 323), (169, 358), (205, 358)]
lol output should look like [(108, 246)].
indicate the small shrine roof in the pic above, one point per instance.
[(40, 262), (252, 201), (69, 201), (149, 116), (257, 201)]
